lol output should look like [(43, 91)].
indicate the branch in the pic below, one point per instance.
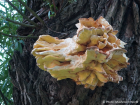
[(26, 25), (21, 13), (30, 10), (3, 97), (18, 36)]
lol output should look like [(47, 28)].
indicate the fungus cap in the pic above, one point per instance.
[(91, 58)]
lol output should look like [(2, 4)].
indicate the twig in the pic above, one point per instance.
[(26, 25), (3, 6), (29, 9), (63, 6), (18, 36), (21, 13), (9, 100), (3, 97), (54, 6), (5, 51)]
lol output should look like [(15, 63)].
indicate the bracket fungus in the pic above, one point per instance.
[(91, 58)]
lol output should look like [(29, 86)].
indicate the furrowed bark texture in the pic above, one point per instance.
[(33, 86)]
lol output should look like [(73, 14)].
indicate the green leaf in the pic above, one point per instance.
[(4, 85), (2, 12), (3, 27), (16, 45), (21, 41), (49, 14), (6, 64)]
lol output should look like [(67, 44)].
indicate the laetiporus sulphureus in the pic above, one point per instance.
[(91, 58)]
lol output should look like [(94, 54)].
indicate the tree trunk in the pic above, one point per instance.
[(33, 86)]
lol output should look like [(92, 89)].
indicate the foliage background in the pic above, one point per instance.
[(8, 45)]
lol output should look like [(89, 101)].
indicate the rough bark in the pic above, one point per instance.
[(33, 86)]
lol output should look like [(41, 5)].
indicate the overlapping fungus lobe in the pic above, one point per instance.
[(91, 58)]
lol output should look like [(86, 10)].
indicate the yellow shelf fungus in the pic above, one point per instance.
[(91, 58)]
